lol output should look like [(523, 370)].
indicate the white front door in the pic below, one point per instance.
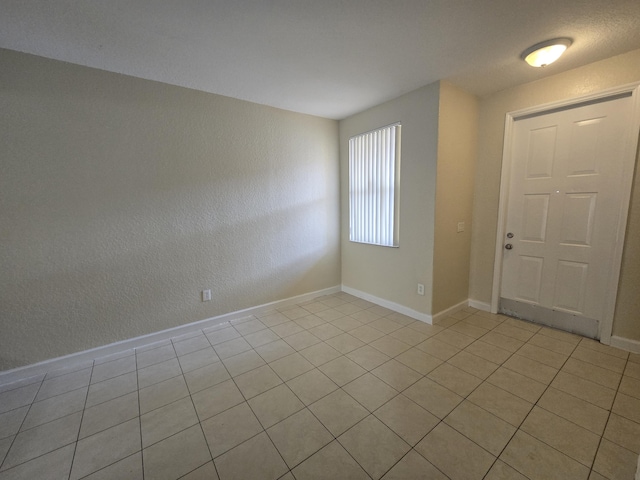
[(563, 213)]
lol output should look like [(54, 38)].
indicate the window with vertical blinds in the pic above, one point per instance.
[(374, 180)]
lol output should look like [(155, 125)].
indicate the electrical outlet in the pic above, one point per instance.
[(420, 289), (460, 227), (206, 295)]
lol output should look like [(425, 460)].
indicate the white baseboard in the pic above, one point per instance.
[(625, 344), (40, 368), (396, 307), (450, 311), (485, 307)]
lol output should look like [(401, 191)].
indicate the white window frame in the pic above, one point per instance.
[(374, 186)]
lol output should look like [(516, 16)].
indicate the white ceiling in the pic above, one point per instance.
[(330, 58)]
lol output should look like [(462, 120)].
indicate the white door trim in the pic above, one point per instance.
[(633, 90)]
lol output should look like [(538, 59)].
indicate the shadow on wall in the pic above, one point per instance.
[(123, 198), (97, 299)]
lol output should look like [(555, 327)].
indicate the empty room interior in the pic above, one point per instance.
[(193, 282)]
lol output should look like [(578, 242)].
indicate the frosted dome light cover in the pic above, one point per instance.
[(545, 53)]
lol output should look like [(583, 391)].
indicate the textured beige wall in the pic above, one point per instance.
[(591, 78), (393, 273), (457, 147), (626, 322), (121, 199)]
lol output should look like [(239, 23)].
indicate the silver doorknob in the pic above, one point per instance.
[(508, 246), (509, 235)]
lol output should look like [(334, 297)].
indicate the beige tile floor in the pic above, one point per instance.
[(335, 388)]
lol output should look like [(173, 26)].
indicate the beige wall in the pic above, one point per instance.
[(626, 322), (121, 199), (591, 78), (393, 273), (457, 146)]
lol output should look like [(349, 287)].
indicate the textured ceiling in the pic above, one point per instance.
[(330, 58)]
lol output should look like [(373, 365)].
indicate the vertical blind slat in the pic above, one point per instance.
[(372, 186)]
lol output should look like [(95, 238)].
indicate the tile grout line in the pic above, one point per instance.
[(139, 414), (369, 413), (485, 380), (43, 375), (326, 322), (608, 418), (529, 413), (171, 342), (231, 377), (306, 407), (55, 396), (206, 441), (549, 386), (21, 424), (46, 453), (411, 447), (289, 469), (370, 371), (47, 422), (442, 421), (73, 459)]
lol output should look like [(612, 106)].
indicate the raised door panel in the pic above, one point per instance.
[(578, 219), (529, 280), (570, 286), (534, 218), (541, 152)]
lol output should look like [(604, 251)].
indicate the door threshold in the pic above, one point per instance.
[(572, 323)]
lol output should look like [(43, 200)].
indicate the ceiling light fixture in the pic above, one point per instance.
[(544, 53)]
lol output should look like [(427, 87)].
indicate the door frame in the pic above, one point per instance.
[(633, 90)]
